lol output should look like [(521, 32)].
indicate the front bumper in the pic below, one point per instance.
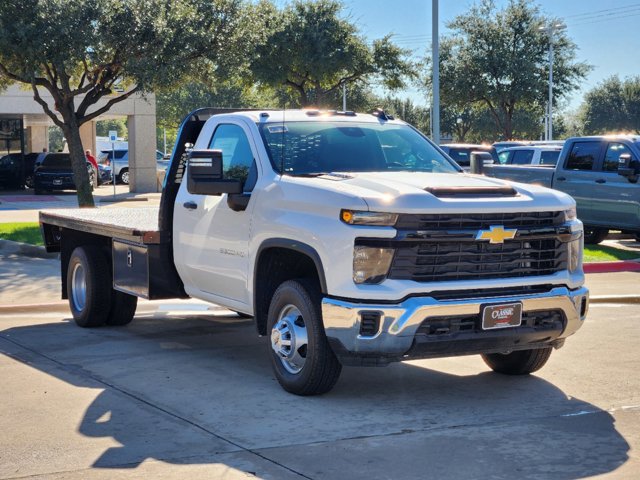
[(399, 336)]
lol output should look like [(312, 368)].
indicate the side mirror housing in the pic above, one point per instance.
[(628, 167), (205, 174)]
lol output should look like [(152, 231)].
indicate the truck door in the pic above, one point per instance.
[(615, 199), (577, 175), (212, 251)]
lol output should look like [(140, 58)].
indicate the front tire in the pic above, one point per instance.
[(594, 235), (301, 357), (89, 286), (521, 362), (123, 177)]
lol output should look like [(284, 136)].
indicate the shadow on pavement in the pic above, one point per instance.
[(203, 384)]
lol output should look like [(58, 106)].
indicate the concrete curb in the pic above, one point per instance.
[(9, 247), (609, 267)]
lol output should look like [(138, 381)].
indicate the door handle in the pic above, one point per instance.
[(561, 179), (190, 205), (601, 180)]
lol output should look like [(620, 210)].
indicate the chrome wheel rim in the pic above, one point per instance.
[(79, 287), (289, 339), (125, 177)]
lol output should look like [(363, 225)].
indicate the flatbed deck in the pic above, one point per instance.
[(138, 225)]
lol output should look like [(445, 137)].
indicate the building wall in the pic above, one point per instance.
[(140, 111)]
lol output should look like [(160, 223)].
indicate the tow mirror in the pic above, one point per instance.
[(628, 167), (205, 174)]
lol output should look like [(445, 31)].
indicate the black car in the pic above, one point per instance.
[(53, 172), (16, 170)]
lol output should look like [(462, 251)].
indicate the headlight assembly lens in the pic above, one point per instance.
[(575, 255), (371, 264), (357, 217), (570, 214)]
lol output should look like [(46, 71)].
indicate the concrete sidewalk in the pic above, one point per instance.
[(24, 207)]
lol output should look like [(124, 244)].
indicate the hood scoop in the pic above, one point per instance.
[(472, 192)]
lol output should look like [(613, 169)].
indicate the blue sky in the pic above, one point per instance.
[(607, 33)]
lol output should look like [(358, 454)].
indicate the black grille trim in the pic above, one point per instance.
[(451, 325), (478, 220), (455, 261)]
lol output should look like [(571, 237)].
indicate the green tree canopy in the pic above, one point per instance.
[(312, 50), (612, 106), (499, 59), (82, 52)]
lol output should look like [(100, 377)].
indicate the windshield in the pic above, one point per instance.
[(308, 148)]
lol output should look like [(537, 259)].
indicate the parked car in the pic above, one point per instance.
[(461, 153), (120, 166), (53, 171), (601, 173), (530, 155), (16, 170)]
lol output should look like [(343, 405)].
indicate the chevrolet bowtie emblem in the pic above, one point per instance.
[(496, 234)]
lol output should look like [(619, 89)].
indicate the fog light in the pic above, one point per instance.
[(371, 264)]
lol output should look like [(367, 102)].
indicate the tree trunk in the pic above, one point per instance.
[(79, 165)]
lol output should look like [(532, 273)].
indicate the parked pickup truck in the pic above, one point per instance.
[(350, 238), (600, 173)]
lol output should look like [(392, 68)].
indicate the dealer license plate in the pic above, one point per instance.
[(57, 181), (502, 316)]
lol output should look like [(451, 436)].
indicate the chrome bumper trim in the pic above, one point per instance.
[(399, 322)]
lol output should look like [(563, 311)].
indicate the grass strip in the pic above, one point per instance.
[(25, 232)]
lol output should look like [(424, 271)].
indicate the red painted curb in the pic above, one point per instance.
[(608, 267)]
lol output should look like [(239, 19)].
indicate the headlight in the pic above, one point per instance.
[(575, 254), (570, 214), (371, 264), (357, 217)]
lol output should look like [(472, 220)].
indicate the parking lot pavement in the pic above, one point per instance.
[(192, 396)]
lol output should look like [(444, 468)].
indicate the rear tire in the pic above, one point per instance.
[(89, 286), (521, 362), (594, 235), (123, 308), (301, 357)]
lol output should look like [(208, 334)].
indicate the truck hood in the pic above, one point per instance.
[(423, 192)]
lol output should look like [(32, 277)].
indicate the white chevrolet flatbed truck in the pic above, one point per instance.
[(351, 239)]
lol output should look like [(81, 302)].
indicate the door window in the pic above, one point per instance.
[(237, 159), (503, 158), (549, 157), (612, 157), (582, 156), (522, 157)]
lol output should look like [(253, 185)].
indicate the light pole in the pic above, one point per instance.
[(435, 109), (551, 29)]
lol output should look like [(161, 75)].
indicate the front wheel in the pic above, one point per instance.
[(302, 359), (124, 176), (594, 235), (521, 362)]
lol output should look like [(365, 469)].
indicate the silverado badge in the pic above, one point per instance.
[(496, 234)]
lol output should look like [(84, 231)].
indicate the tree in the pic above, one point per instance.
[(81, 52), (499, 59), (312, 51), (612, 106)]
